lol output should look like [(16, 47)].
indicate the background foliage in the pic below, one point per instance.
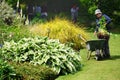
[(110, 7)]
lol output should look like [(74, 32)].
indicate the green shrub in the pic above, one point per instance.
[(9, 16), (43, 51), (6, 12), (61, 29), (31, 72), (7, 72), (38, 20), (2, 23), (13, 33)]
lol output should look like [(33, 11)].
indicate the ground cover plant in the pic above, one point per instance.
[(21, 71), (43, 51), (32, 72), (7, 72)]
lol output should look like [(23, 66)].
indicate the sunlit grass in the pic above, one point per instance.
[(108, 69)]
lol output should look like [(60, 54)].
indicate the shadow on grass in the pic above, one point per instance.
[(115, 57)]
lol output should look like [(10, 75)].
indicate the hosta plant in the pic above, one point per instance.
[(43, 51)]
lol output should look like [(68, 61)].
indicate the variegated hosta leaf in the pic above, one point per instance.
[(43, 51)]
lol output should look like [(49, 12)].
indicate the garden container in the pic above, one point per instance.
[(93, 45)]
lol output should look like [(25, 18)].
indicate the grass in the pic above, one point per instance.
[(99, 70)]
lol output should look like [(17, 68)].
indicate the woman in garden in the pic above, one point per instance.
[(102, 30)]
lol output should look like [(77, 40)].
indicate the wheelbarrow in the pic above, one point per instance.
[(93, 45)]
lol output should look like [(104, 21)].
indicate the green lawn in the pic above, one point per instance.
[(99, 70)]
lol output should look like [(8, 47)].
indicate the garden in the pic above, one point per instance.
[(52, 46)]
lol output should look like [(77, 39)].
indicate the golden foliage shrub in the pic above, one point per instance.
[(61, 29)]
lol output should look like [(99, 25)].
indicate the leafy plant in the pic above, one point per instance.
[(9, 16), (13, 33), (61, 29), (6, 12), (7, 72), (90, 4), (43, 51), (31, 72), (38, 20), (102, 28)]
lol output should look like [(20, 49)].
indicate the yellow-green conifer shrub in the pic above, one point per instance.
[(61, 29)]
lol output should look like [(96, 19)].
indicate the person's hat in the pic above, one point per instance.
[(97, 11)]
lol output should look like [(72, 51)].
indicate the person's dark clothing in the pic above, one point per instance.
[(74, 13), (105, 51), (30, 12), (44, 13), (44, 8)]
